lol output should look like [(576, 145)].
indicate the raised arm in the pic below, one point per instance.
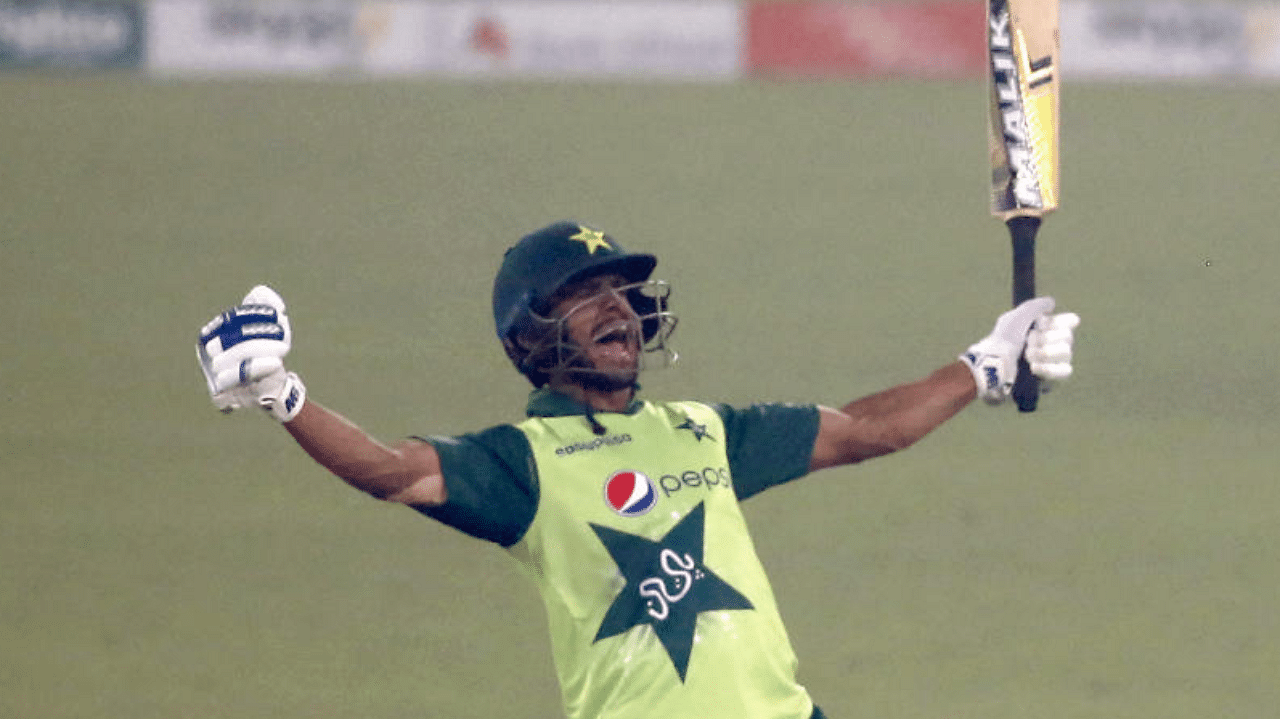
[(898, 417), (891, 420), (242, 351), (407, 472)]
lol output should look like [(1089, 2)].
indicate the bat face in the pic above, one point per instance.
[(1022, 42)]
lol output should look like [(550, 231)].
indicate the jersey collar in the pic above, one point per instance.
[(546, 402)]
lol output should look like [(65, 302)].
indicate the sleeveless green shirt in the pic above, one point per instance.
[(657, 603)]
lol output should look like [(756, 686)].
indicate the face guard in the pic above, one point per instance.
[(545, 266), (643, 329)]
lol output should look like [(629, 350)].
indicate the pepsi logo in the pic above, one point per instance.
[(630, 493)]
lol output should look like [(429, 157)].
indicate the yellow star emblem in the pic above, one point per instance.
[(592, 239)]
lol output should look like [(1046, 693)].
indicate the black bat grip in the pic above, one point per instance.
[(1022, 231)]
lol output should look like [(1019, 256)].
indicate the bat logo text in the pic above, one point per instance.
[(1025, 185)]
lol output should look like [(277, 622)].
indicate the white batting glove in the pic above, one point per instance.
[(1046, 338), (241, 353), (1050, 347)]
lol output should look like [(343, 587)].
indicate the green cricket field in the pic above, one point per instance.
[(1114, 555)]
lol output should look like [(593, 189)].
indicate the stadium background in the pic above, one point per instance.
[(1112, 556)]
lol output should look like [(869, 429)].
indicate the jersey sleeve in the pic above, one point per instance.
[(768, 444), (491, 484)]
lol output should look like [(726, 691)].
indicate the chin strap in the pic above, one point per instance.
[(596, 427)]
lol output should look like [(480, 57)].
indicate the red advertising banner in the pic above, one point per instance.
[(935, 39)]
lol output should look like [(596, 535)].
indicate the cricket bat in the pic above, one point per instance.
[(1022, 134)]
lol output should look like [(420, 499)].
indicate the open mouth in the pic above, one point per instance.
[(619, 331), (616, 346)]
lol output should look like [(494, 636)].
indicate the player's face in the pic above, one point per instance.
[(601, 322)]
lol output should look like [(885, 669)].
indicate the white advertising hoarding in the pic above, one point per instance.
[(1144, 40), (262, 36), (554, 39)]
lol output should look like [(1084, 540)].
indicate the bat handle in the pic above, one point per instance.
[(1022, 231)]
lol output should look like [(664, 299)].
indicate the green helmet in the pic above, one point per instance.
[(551, 258)]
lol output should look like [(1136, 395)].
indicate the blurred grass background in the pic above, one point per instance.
[(1114, 555)]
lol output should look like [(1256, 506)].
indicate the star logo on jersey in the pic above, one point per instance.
[(699, 430), (667, 586), (591, 239)]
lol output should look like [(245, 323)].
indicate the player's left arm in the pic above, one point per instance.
[(241, 353), (891, 420), (898, 417)]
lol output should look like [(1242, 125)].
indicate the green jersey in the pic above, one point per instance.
[(657, 603)]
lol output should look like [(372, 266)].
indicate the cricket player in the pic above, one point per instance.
[(624, 512)]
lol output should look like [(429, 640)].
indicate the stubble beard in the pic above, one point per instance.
[(599, 381), (587, 373), (584, 373)]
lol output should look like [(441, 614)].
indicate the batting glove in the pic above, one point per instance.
[(1046, 339), (1050, 348), (241, 353)]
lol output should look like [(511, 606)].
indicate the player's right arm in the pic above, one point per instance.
[(241, 353), (896, 418), (407, 472)]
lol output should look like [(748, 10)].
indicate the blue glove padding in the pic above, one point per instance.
[(241, 353)]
